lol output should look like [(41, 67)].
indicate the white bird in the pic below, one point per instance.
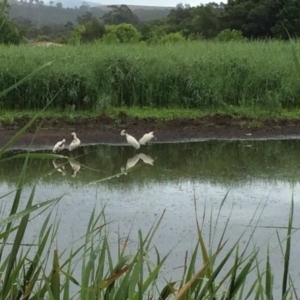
[(131, 140), (146, 159), (146, 138), (75, 142), (59, 146)]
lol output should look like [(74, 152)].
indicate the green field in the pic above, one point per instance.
[(203, 75)]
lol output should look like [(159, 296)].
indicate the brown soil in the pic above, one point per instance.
[(107, 130)]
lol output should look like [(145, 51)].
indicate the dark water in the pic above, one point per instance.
[(136, 186)]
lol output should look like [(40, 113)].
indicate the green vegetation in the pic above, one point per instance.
[(209, 75), (8, 31), (259, 19), (112, 271)]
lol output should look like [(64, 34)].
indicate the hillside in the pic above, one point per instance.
[(41, 14)]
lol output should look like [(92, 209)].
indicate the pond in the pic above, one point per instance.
[(187, 180)]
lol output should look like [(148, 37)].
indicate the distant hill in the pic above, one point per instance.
[(145, 7), (45, 13), (78, 3)]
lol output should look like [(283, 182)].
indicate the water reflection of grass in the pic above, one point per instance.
[(216, 162)]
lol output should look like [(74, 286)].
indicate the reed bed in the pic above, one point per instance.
[(187, 75)]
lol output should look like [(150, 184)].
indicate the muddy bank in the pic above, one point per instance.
[(107, 130)]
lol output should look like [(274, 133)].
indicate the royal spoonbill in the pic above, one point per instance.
[(75, 142), (59, 146), (130, 139)]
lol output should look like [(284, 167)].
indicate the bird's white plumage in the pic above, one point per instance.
[(59, 146), (146, 138), (75, 142), (146, 159), (131, 140), (59, 167), (131, 162), (75, 168)]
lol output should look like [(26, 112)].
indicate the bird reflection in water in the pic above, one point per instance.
[(147, 159), (60, 167), (75, 168), (131, 162)]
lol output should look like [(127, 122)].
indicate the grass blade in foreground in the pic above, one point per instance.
[(15, 248), (287, 250)]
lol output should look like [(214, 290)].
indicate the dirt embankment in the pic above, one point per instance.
[(107, 130)]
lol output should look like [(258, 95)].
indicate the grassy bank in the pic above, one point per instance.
[(204, 75), (244, 117)]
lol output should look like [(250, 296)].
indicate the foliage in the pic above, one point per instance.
[(89, 30), (75, 38), (170, 38), (94, 30), (262, 18), (123, 33), (9, 34), (188, 75), (120, 14), (228, 35), (154, 30), (42, 38)]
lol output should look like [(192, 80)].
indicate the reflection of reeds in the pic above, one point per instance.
[(217, 162)]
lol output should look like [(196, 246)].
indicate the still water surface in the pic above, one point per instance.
[(188, 181)]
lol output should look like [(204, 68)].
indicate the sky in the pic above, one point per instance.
[(155, 2)]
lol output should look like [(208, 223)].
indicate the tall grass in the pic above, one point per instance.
[(189, 75)]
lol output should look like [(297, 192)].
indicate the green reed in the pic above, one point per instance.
[(189, 75)]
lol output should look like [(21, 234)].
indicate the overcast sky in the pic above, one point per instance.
[(156, 2)]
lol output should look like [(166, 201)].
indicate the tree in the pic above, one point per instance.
[(9, 33), (255, 18), (59, 5), (94, 30), (154, 29), (46, 30), (89, 29), (120, 14), (204, 22), (85, 18), (228, 35), (288, 19), (122, 33), (195, 21)]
